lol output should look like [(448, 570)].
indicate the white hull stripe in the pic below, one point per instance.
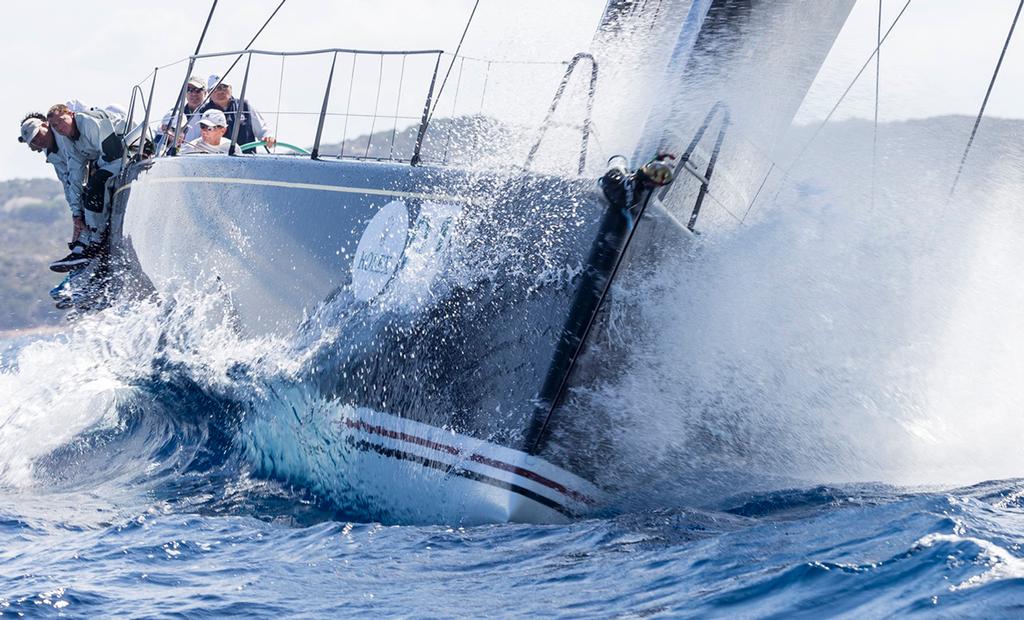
[(395, 453), (372, 191), (474, 457)]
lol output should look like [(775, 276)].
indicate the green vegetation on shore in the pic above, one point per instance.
[(35, 225)]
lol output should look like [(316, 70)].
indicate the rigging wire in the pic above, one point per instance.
[(206, 27), (452, 63), (984, 102), (160, 68), (247, 46), (828, 117), (537, 438), (874, 133), (348, 106), (455, 102), (179, 103), (376, 106), (846, 92), (209, 91), (398, 105)]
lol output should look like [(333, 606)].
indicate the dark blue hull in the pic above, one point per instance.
[(451, 292)]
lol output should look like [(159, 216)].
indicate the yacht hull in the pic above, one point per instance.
[(446, 295)]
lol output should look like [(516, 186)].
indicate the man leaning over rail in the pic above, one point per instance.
[(94, 157), (252, 126), (37, 134)]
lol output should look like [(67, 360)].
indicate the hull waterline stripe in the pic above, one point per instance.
[(372, 191), (476, 458), (368, 446), (530, 475)]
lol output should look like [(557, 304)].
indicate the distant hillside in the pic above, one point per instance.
[(476, 140), (35, 225)]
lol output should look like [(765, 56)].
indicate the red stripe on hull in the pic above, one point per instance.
[(476, 458)]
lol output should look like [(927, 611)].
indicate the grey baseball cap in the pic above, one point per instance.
[(213, 118)]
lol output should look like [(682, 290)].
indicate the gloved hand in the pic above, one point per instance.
[(658, 171)]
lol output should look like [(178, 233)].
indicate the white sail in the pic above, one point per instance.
[(754, 59)]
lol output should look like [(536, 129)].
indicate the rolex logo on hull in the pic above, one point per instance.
[(375, 262), (380, 250)]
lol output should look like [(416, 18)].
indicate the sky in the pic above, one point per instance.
[(937, 61)]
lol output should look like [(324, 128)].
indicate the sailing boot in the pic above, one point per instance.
[(78, 290), (75, 260), (62, 290)]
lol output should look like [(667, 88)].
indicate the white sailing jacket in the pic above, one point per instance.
[(99, 143), (58, 158)]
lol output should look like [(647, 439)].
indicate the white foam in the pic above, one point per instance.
[(828, 340), (1001, 564), (58, 386)]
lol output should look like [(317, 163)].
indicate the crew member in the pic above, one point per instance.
[(252, 127), (37, 134), (195, 94), (213, 126), (94, 156)]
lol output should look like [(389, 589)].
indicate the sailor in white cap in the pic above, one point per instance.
[(212, 126), (36, 133), (94, 142), (252, 126)]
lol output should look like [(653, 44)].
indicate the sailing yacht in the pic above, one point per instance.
[(471, 306)]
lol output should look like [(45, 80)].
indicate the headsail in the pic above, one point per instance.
[(753, 59)]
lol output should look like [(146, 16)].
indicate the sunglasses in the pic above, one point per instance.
[(193, 89)]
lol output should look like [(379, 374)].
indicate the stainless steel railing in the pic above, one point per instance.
[(407, 81), (334, 52)]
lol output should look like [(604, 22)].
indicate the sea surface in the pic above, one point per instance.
[(820, 552), (128, 488)]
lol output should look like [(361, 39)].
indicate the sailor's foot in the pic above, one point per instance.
[(60, 291), (79, 290), (76, 259)]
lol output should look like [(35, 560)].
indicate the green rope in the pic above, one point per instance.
[(259, 143)]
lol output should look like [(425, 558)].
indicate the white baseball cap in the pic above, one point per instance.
[(214, 79), (197, 82), (29, 130), (213, 118)]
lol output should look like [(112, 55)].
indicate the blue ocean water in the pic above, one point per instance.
[(136, 501), (824, 344)]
